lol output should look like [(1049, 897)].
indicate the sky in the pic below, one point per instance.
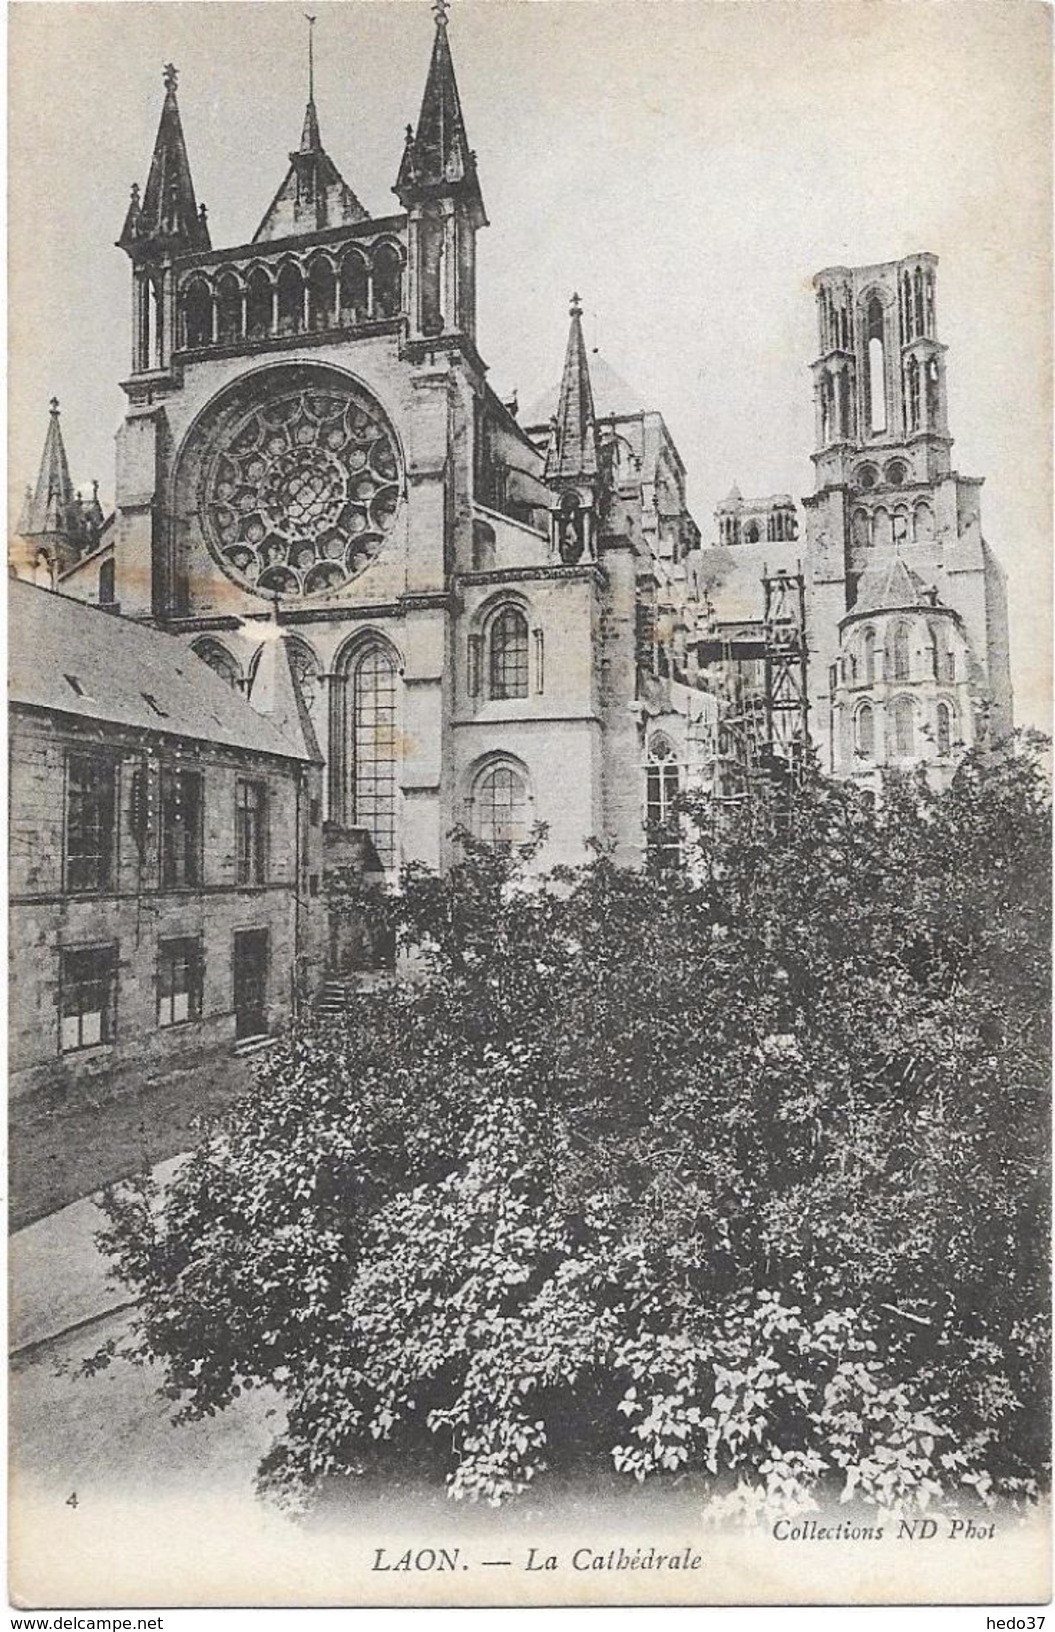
[(685, 165)]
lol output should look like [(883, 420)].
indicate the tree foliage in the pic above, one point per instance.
[(738, 1171)]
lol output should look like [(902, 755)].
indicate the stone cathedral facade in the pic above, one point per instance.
[(496, 620)]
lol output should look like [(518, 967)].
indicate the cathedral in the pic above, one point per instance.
[(498, 619)]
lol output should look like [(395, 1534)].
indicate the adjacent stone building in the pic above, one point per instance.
[(165, 850)]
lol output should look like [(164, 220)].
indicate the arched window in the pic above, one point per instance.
[(902, 656), (373, 752), (219, 659), (882, 531), (876, 366), (258, 304), (322, 295), (901, 527), (864, 721), (912, 393), (197, 314), (500, 806), (918, 287), (509, 654), (307, 668), (354, 281), (662, 786), (868, 650), (923, 523), (388, 281), (228, 310), (860, 528), (106, 583), (290, 300), (904, 712), (944, 730)]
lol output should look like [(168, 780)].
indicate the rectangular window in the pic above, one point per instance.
[(90, 827), (249, 822), (87, 997), (181, 820), (180, 974)]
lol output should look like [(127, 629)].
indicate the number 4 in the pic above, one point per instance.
[(71, 1500)]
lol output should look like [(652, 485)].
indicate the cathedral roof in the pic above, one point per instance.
[(889, 586), (51, 507), (70, 658), (612, 396), (168, 214), (572, 448), (437, 157)]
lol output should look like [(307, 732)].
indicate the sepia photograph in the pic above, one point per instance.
[(529, 880)]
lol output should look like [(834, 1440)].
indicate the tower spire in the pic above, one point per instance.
[(310, 140), (314, 194), (168, 216), (437, 157), (573, 452), (573, 458)]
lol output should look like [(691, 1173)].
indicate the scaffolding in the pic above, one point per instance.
[(786, 692), (760, 678)]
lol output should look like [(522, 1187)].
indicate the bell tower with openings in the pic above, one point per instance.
[(885, 485)]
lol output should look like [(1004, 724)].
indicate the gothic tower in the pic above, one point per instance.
[(573, 461), (885, 488)]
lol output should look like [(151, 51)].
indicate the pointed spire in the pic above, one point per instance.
[(438, 158), (310, 140), (168, 216), (52, 505), (314, 194), (573, 451)]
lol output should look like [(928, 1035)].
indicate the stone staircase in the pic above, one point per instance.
[(337, 995)]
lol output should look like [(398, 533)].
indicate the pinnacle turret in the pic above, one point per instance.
[(573, 452), (167, 218), (437, 158)]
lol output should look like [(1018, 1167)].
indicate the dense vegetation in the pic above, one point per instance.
[(739, 1170)]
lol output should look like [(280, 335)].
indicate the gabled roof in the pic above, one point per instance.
[(572, 451), (69, 658), (168, 216), (437, 157), (314, 194)]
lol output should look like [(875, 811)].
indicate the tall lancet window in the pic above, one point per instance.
[(876, 367), (374, 750)]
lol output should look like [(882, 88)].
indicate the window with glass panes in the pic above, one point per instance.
[(509, 654), (88, 980), (373, 780), (250, 835), (90, 815), (179, 981), (181, 814), (501, 804), (662, 782)]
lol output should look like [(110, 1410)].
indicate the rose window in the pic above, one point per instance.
[(301, 496)]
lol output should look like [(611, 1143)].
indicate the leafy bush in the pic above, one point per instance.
[(737, 1172)]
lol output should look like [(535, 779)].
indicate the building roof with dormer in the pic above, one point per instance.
[(68, 658)]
